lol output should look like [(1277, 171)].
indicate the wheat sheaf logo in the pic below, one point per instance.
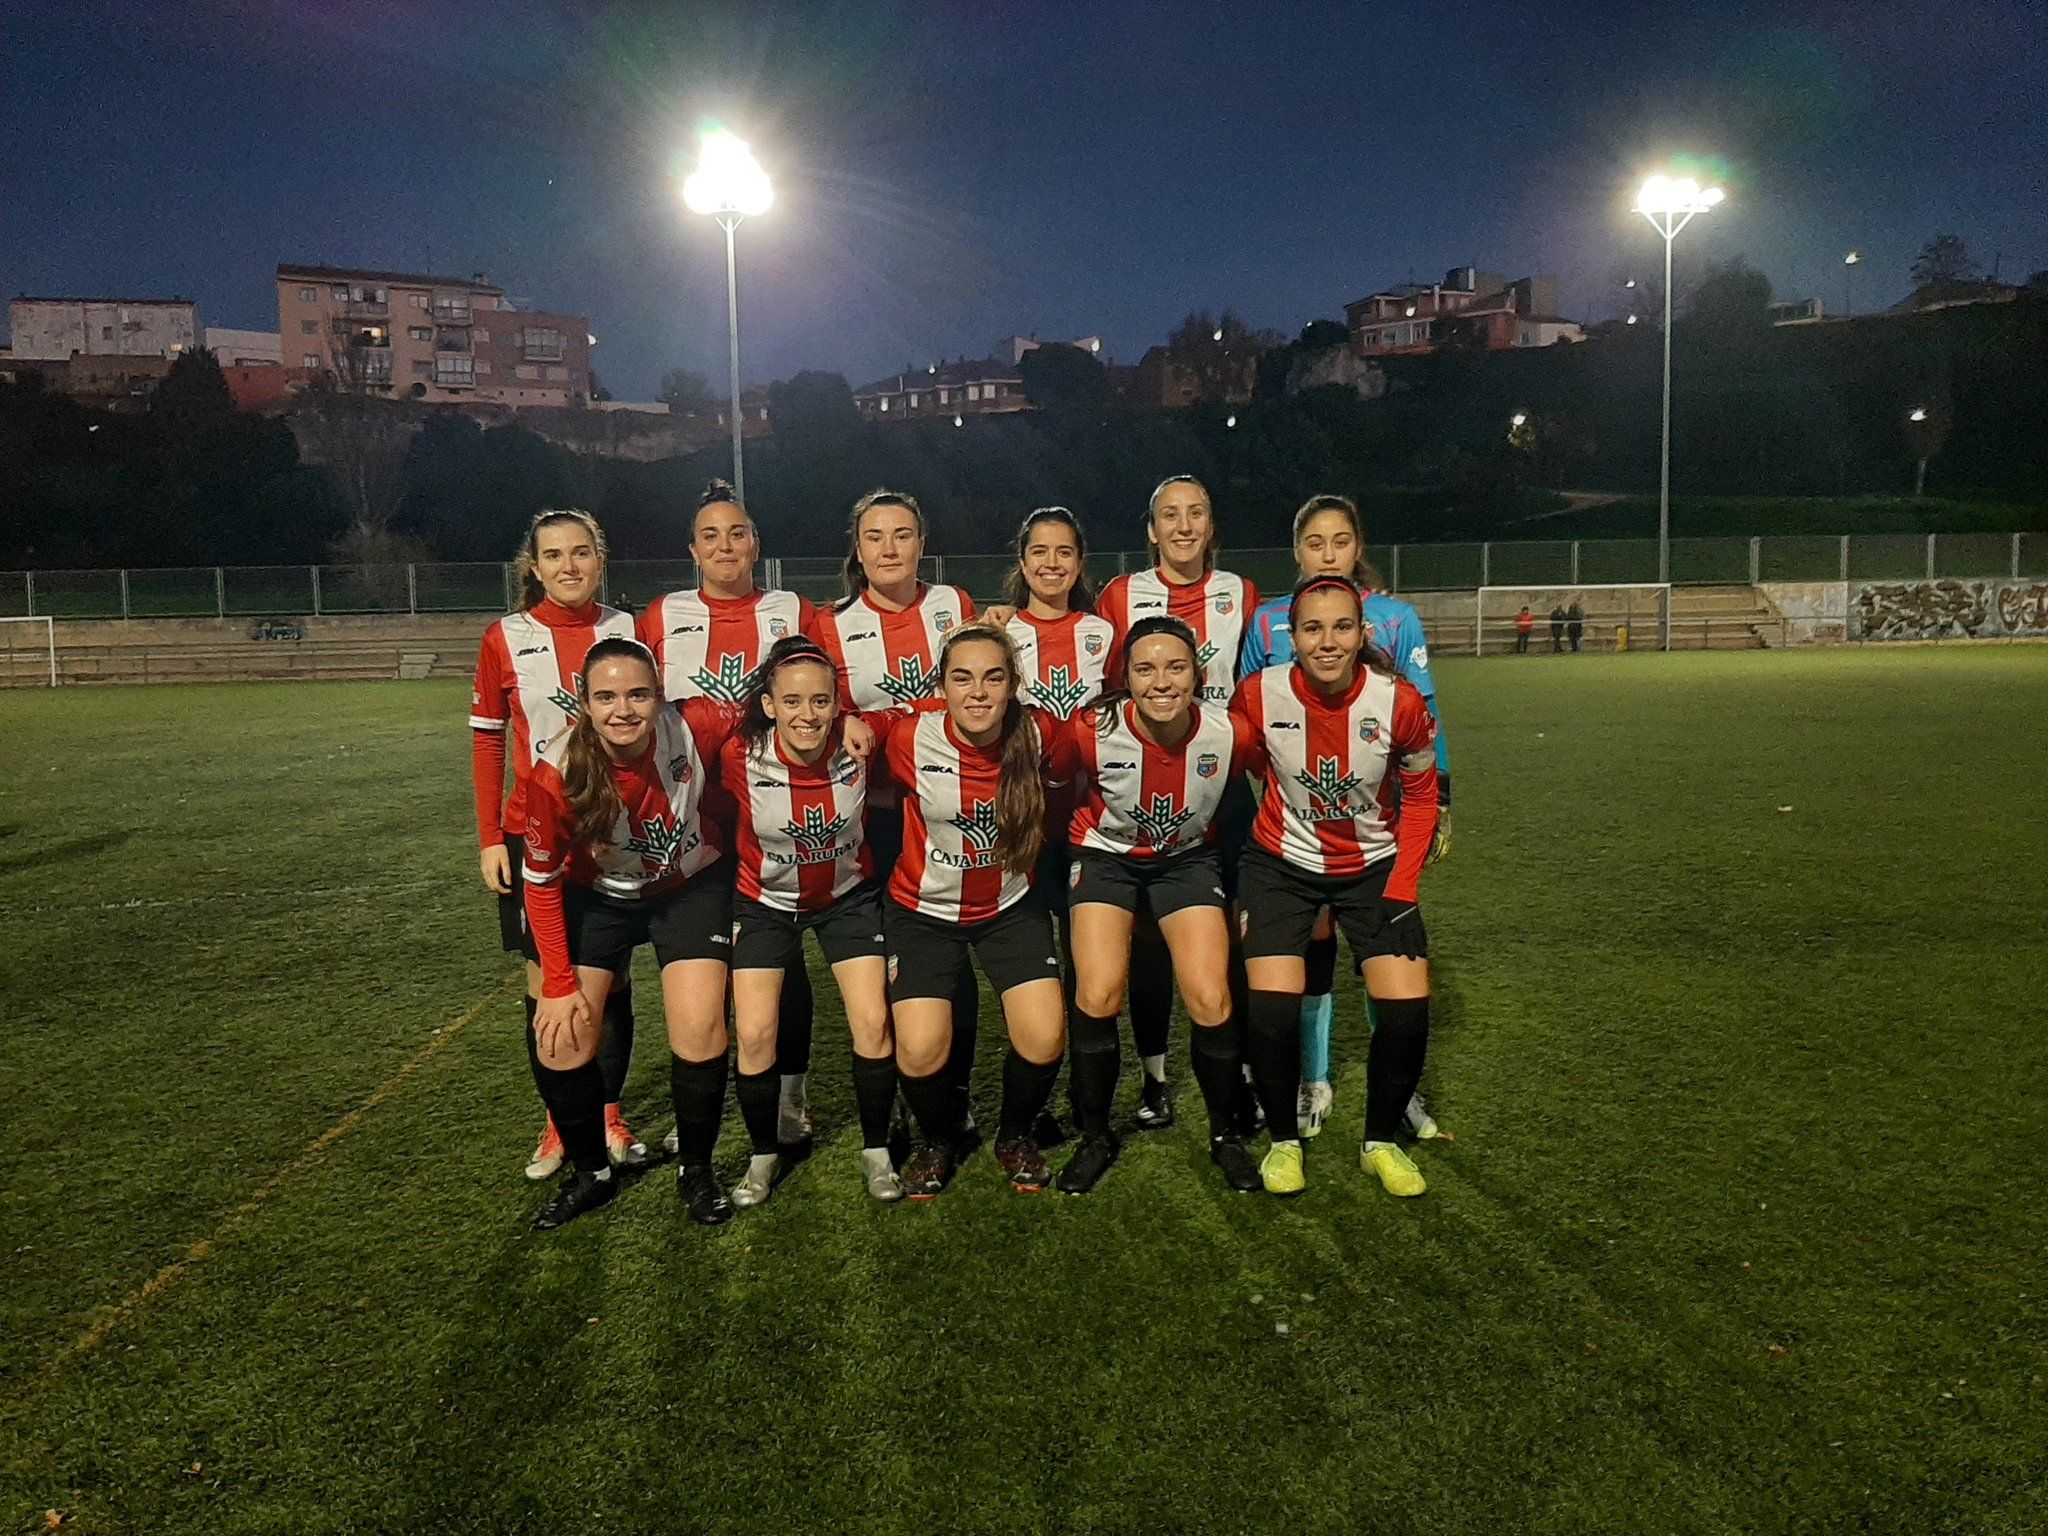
[(816, 836), (726, 684), (1061, 692), (660, 841), (1328, 788), (1159, 821), (978, 828), (911, 680)]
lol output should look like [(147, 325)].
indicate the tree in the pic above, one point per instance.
[(813, 408), (1731, 301), (687, 392), (1319, 335), (192, 395), (1219, 358), (362, 443), (1056, 374), (1944, 259)]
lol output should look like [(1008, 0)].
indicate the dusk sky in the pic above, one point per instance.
[(947, 174)]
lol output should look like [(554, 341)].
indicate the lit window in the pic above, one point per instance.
[(912, 403), (310, 360), (885, 404), (945, 397)]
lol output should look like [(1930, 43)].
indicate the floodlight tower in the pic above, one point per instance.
[(1670, 205), (729, 185)]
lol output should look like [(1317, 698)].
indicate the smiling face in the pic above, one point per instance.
[(1328, 546), (566, 561), (725, 547), (1162, 675), (1182, 527), (1328, 637), (1051, 562), (890, 547), (623, 696), (977, 687), (802, 701)]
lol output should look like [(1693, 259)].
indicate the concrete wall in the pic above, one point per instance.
[(1816, 612), (53, 329), (231, 347), (1949, 610)]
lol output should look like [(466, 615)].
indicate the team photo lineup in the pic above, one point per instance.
[(1168, 787)]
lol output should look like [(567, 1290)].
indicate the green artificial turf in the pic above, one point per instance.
[(1740, 986)]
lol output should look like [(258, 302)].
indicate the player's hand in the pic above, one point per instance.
[(860, 739), (1440, 841), (559, 1023), (497, 869), (1401, 927), (999, 615)]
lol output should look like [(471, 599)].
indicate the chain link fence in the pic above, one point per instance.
[(257, 591)]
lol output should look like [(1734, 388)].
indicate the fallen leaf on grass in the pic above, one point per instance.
[(1784, 810), (1777, 1349)]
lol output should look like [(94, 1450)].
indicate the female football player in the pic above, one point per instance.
[(619, 853), (1329, 540), (1048, 607), (708, 642), (1337, 733), (971, 768), (1148, 765), (798, 776), (526, 672), (1180, 526)]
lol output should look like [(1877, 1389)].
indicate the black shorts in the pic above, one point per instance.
[(1053, 875), (1190, 878), (693, 923), (512, 930), (927, 956), (766, 938), (1277, 907)]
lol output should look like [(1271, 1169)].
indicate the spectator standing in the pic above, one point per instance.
[(1575, 623), (1525, 621), (1557, 629)]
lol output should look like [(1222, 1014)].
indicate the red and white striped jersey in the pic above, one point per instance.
[(798, 830), (952, 865), (1216, 608), (1331, 767), (1142, 800), (662, 838), (885, 659), (526, 674), (707, 647), (1064, 659)]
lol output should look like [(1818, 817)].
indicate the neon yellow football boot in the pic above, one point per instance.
[(1280, 1169), (1397, 1174)]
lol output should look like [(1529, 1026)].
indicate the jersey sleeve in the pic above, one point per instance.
[(824, 628), (1257, 653), (966, 606), (1247, 727), (1413, 664), (548, 840), (490, 695), (651, 632), (1414, 747), (489, 709), (806, 616), (712, 722), (1247, 748)]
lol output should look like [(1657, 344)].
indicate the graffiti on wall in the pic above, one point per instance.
[(1949, 610)]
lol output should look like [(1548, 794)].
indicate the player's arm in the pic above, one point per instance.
[(1256, 654), (712, 722), (1251, 609), (548, 839), (1414, 753), (488, 711)]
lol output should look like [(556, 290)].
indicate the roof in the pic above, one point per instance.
[(408, 279), (980, 370), (37, 298)]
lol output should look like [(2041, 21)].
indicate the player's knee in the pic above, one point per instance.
[(1105, 1000), (1208, 1000)]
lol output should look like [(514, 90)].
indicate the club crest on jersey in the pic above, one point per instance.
[(942, 622), (1061, 691), (816, 836), (777, 628), (1369, 728), (1327, 788), (1092, 644), (679, 767), (1159, 820), (726, 684), (1206, 766), (660, 842), (912, 680), (1419, 658), (1074, 877), (1225, 602)]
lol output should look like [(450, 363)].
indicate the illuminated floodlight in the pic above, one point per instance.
[(728, 181), (1519, 419), (1217, 334), (1230, 421), (1631, 319), (1852, 258), (1918, 413), (1666, 194), (959, 421)]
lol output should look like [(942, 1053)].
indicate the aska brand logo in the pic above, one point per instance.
[(912, 680), (1159, 821), (1206, 766), (1061, 692), (1328, 788), (661, 841), (816, 836), (727, 683)]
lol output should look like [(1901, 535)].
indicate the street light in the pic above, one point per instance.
[(729, 185), (1670, 205), (1848, 292)]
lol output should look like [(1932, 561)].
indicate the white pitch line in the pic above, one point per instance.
[(294, 893)]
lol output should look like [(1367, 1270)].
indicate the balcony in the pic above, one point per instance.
[(365, 309), (455, 339), (451, 311)]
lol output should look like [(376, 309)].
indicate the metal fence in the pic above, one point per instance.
[(256, 591)]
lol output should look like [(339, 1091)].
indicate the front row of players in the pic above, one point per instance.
[(719, 833)]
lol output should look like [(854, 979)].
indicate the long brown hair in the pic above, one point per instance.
[(1020, 791), (1152, 508), (594, 803), (1363, 572), (525, 565), (1017, 591), (854, 575)]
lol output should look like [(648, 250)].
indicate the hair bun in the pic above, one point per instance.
[(717, 491)]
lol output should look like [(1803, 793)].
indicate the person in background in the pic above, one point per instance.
[(1525, 621), (1557, 629), (1575, 622)]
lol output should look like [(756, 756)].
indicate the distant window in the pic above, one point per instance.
[(913, 403), (419, 301), (419, 333), (945, 397), (483, 337), (309, 295), (376, 367), (454, 368), (543, 344), (885, 405), (422, 369), (558, 374), (451, 304), (310, 360), (309, 327), (974, 391), (339, 292), (527, 371)]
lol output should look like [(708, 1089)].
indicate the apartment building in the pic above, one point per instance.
[(1469, 307), (57, 329), (962, 387), (415, 336)]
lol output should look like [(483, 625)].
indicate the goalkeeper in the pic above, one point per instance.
[(1329, 540)]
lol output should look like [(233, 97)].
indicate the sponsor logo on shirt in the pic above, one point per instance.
[(1328, 788), (531, 650), (978, 831), (1061, 691), (911, 680), (687, 629), (935, 768), (1159, 821), (859, 635), (1114, 767), (1284, 725), (816, 837), (661, 842), (727, 683)]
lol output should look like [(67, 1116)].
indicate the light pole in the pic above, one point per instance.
[(729, 185), (1848, 288), (1669, 206)]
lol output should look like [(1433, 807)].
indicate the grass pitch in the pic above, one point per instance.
[(1741, 970)]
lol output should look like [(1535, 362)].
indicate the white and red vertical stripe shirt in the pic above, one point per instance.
[(707, 647), (526, 674), (797, 833), (1350, 778), (885, 659), (1141, 800), (661, 838), (1216, 608), (952, 865), (1064, 659)]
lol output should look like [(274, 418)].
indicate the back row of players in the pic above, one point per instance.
[(924, 790)]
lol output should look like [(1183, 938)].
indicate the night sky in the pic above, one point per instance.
[(950, 173)]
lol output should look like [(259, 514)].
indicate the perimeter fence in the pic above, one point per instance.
[(257, 591)]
